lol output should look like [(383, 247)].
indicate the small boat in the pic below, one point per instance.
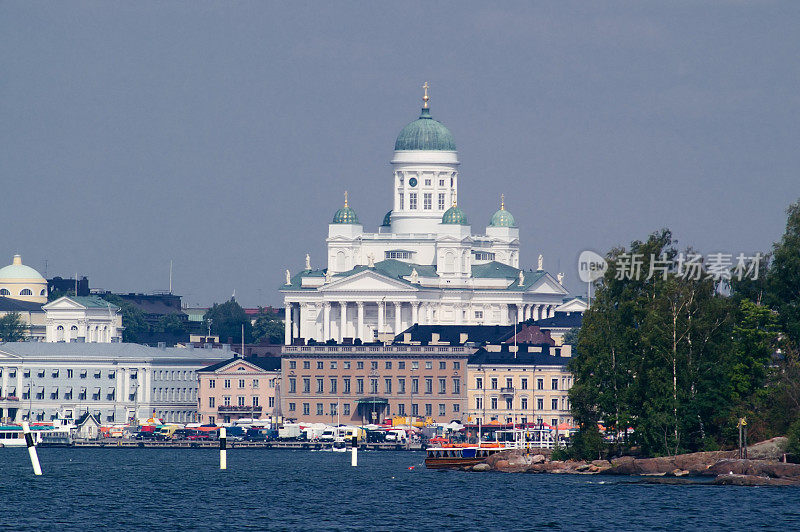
[(339, 445), (452, 456)]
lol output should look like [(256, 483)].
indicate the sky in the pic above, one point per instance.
[(221, 135)]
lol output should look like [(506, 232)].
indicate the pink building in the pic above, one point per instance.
[(239, 388)]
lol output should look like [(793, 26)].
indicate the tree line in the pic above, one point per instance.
[(679, 359)]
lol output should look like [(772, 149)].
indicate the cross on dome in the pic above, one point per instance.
[(425, 96)]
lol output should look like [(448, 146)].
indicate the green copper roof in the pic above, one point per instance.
[(454, 216), (502, 218), (387, 220), (17, 270), (345, 215), (425, 133)]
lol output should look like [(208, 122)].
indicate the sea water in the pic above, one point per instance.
[(183, 489)]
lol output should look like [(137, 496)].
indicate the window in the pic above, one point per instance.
[(226, 383), (554, 404), (333, 384), (271, 402), (306, 409), (494, 383), (320, 365), (428, 409), (292, 364), (429, 365), (226, 400), (401, 201), (479, 383), (483, 255), (442, 385), (401, 385), (320, 410), (554, 422), (374, 365), (306, 364), (456, 407), (320, 385), (494, 403), (523, 403), (241, 383), (441, 182), (292, 407), (412, 201), (401, 365), (26, 292), (456, 385), (554, 384), (415, 365), (346, 409), (540, 404), (442, 365), (334, 409), (240, 400), (414, 409), (427, 201), (5, 292), (398, 254), (346, 386), (428, 385), (255, 383), (387, 386), (509, 403), (401, 409), (333, 364), (360, 365), (373, 386), (292, 385), (523, 383), (427, 182), (359, 385), (306, 385), (212, 402), (69, 374), (478, 314), (346, 364), (441, 202), (212, 384), (456, 365), (540, 384), (414, 385), (388, 364), (509, 382), (442, 409)]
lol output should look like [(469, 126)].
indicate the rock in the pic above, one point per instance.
[(593, 468), (581, 468), (679, 473), (693, 462), (500, 465), (601, 463), (538, 459), (773, 449), (754, 480), (761, 468), (481, 467)]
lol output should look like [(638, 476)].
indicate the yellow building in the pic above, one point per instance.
[(519, 384), (21, 282)]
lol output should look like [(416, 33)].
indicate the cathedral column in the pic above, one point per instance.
[(503, 314), (398, 308), (535, 313), (360, 331), (287, 323), (296, 322), (414, 313), (326, 321), (301, 312), (552, 311), (343, 317), (380, 317)]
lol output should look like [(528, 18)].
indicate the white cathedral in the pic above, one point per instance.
[(424, 265)]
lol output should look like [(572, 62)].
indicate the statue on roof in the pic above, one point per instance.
[(371, 260), (560, 278), (414, 275), (308, 261), (288, 277), (541, 262), (521, 278), (328, 276)]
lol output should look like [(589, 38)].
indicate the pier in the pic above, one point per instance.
[(211, 444)]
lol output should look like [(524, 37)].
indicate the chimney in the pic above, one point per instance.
[(434, 337), (406, 338), (462, 338)]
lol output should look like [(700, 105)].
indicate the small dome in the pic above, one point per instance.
[(425, 133), (17, 270), (387, 220), (454, 216), (502, 218), (345, 215)]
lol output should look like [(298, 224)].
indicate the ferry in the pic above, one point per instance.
[(454, 455), (52, 434)]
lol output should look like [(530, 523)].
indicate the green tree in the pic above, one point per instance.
[(133, 321), (227, 320), (12, 328), (783, 279), (171, 324), (268, 328)]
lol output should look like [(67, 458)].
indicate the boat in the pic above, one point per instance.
[(459, 455)]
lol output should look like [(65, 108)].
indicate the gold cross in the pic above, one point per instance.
[(345, 198), (502, 202), (425, 97)]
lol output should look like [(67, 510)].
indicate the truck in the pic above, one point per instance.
[(290, 431)]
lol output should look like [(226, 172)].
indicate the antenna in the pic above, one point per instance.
[(170, 277)]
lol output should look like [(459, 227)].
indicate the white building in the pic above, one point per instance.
[(88, 319), (424, 265)]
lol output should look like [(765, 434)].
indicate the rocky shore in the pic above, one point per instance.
[(762, 468)]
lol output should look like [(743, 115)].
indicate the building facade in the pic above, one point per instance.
[(424, 265), (22, 282), (519, 384), (239, 388), (372, 383), (86, 319), (116, 382)]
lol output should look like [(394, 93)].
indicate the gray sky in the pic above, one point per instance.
[(222, 135)]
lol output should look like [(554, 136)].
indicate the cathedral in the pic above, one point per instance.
[(424, 265)]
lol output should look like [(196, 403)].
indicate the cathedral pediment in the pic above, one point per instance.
[(546, 285), (366, 281)]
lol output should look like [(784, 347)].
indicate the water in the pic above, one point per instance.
[(177, 489)]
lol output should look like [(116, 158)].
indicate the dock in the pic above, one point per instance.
[(187, 444)]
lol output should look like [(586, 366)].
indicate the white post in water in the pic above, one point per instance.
[(354, 455), (37, 468), (223, 453)]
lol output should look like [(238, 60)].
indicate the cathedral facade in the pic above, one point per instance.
[(424, 265)]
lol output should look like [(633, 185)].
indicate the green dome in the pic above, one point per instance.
[(502, 218), (345, 215), (387, 220), (425, 133), (454, 216)]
